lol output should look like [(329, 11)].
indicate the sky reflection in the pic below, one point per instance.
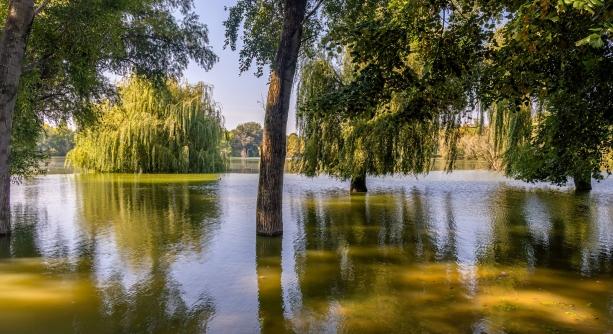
[(463, 252)]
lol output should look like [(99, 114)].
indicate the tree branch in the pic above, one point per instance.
[(31, 66), (41, 7), (313, 11)]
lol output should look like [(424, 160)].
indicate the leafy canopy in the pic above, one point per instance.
[(262, 21), (542, 62), (406, 77), (540, 69), (75, 46)]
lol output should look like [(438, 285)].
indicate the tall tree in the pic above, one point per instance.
[(12, 50), (73, 46), (275, 31), (273, 35)]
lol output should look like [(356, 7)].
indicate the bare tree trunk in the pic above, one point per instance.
[(358, 184), (269, 218), (583, 182), (12, 50)]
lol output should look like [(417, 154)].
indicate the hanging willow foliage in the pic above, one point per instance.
[(553, 141), (400, 136), (177, 129)]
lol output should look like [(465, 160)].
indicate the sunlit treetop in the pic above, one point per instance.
[(545, 45), (74, 45)]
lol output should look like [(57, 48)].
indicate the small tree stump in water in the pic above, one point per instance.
[(358, 184)]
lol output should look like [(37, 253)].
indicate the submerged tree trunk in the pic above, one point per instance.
[(583, 182), (358, 184), (12, 50), (270, 189)]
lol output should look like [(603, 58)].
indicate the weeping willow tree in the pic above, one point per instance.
[(175, 129), (405, 79), (398, 136), (565, 135)]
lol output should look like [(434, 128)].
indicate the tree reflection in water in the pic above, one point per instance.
[(147, 224), (439, 261), (452, 254), (113, 259), (270, 295)]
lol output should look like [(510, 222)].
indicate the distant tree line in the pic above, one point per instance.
[(57, 140), (242, 142), (245, 140)]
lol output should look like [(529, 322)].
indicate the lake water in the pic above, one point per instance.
[(468, 252)]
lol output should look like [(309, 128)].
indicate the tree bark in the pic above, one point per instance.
[(358, 184), (269, 218), (583, 182), (12, 51)]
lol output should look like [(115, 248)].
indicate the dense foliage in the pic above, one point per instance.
[(556, 60), (536, 72), (260, 23), (406, 76), (74, 45), (178, 129), (354, 146)]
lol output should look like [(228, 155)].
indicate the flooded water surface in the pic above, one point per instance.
[(468, 252)]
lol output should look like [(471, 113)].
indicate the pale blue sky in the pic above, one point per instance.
[(240, 96)]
